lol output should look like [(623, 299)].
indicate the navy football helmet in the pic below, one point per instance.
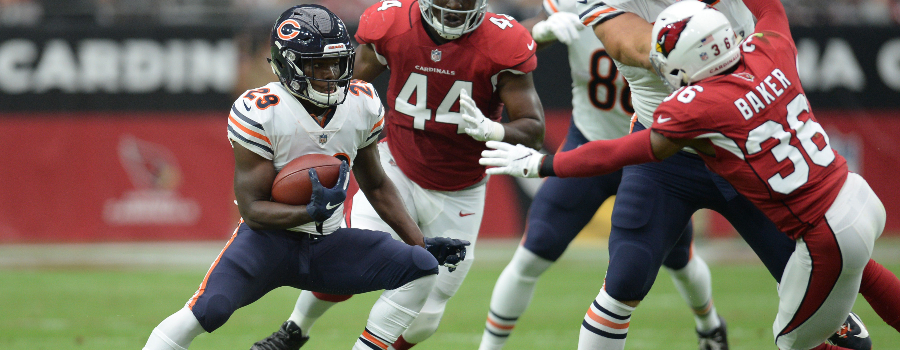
[(303, 37)]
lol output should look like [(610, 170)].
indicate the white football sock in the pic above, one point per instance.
[(695, 285), (605, 325), (175, 332), (307, 311), (394, 311), (512, 294)]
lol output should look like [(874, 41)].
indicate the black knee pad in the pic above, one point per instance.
[(631, 272), (213, 312), (423, 260), (422, 264)]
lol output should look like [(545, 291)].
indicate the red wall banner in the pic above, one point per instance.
[(90, 177), (109, 177)]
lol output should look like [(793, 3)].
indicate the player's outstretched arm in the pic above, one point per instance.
[(526, 114), (366, 66), (770, 15), (253, 177), (383, 195), (626, 38), (591, 159)]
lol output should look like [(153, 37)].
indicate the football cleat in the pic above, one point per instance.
[(714, 339), (852, 335), (288, 337)]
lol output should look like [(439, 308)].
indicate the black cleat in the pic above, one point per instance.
[(852, 335), (714, 339), (288, 337)]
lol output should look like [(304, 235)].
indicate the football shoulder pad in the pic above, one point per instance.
[(506, 42), (386, 19)]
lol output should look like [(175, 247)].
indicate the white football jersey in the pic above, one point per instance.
[(599, 109), (271, 122), (647, 89)]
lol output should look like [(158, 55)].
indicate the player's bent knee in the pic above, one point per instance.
[(214, 313), (334, 298), (632, 271), (420, 264), (424, 261), (529, 264), (544, 241), (425, 325)]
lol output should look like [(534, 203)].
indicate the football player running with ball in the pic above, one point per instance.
[(314, 109), (453, 68), (563, 206), (740, 106)]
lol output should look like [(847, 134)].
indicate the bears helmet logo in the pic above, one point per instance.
[(288, 29)]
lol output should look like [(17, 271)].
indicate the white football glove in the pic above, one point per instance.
[(477, 126), (512, 160), (562, 26)]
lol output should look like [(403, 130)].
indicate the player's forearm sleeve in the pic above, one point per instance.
[(604, 156), (770, 16)]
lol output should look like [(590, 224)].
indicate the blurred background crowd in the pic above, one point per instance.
[(24, 13)]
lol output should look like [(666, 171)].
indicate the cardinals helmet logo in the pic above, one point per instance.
[(668, 36)]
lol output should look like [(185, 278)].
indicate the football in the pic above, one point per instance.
[(292, 185)]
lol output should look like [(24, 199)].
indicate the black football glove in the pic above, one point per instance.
[(325, 201), (449, 252)]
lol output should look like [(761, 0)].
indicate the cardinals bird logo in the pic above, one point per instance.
[(668, 36)]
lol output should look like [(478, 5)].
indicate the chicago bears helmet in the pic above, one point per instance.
[(470, 19), (691, 42), (306, 33)]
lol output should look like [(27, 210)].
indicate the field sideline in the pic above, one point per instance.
[(110, 296)]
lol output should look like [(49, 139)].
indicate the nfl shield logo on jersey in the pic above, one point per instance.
[(436, 55), (323, 139)]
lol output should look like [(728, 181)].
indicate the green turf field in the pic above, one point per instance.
[(115, 306)]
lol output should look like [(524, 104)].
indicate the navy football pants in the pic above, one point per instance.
[(654, 203), (564, 206), (348, 261)]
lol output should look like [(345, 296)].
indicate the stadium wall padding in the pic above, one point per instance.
[(118, 133)]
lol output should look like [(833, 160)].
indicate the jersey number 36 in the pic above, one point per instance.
[(784, 150)]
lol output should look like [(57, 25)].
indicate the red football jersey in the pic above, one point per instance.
[(768, 144), (425, 130)]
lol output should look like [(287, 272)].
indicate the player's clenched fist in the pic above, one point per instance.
[(512, 160), (449, 252)]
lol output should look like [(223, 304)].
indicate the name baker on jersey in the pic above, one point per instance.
[(755, 102), (436, 70)]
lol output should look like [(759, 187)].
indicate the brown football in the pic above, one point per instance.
[(292, 185)]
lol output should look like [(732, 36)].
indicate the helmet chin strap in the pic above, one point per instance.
[(322, 99), (437, 23)]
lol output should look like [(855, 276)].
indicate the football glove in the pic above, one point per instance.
[(562, 26), (477, 126), (512, 160), (325, 201), (449, 252)]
